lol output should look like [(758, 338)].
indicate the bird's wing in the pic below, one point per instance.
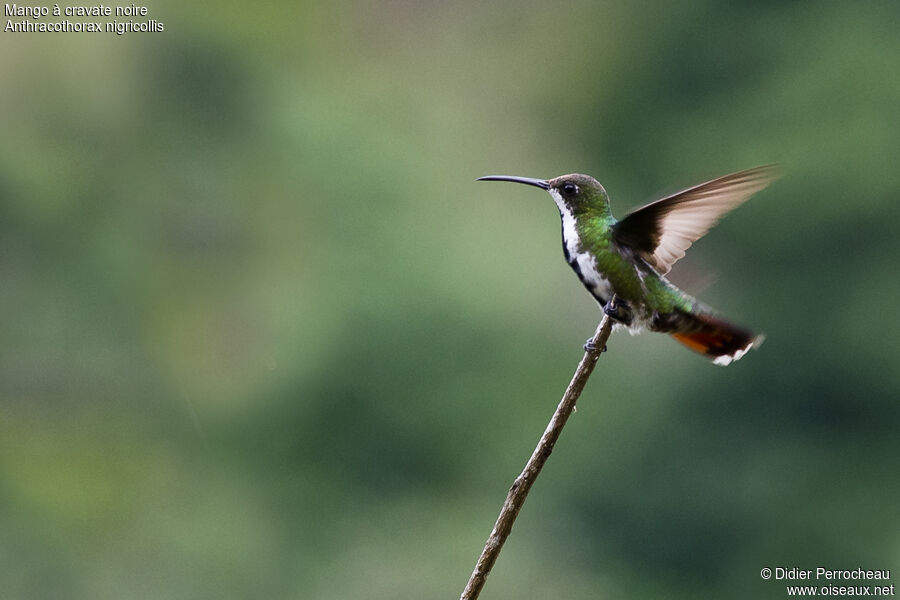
[(661, 231)]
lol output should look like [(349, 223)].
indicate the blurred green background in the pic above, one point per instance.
[(264, 337)]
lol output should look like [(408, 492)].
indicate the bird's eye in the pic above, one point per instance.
[(569, 188)]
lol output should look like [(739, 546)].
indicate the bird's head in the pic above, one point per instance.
[(574, 193)]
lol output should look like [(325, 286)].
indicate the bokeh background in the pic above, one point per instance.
[(264, 337)]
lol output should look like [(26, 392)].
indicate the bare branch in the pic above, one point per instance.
[(521, 486)]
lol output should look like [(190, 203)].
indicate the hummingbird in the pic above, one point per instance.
[(623, 263)]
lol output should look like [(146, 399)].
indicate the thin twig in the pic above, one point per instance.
[(520, 487)]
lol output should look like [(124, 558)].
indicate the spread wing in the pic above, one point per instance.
[(661, 231)]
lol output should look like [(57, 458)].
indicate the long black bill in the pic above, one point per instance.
[(527, 180)]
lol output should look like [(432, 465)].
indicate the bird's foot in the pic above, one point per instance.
[(618, 311), (590, 346)]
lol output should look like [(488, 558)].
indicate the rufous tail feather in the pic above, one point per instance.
[(717, 340)]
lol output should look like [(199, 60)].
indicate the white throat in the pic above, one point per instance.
[(570, 233), (583, 262)]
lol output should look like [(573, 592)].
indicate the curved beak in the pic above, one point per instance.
[(526, 180)]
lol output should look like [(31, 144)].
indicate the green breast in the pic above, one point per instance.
[(641, 286)]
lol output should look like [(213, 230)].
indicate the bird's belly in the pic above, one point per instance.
[(585, 266)]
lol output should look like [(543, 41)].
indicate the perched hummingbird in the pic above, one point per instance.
[(630, 258)]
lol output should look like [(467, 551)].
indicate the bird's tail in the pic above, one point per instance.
[(717, 340)]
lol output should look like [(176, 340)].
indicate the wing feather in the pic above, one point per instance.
[(662, 231)]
